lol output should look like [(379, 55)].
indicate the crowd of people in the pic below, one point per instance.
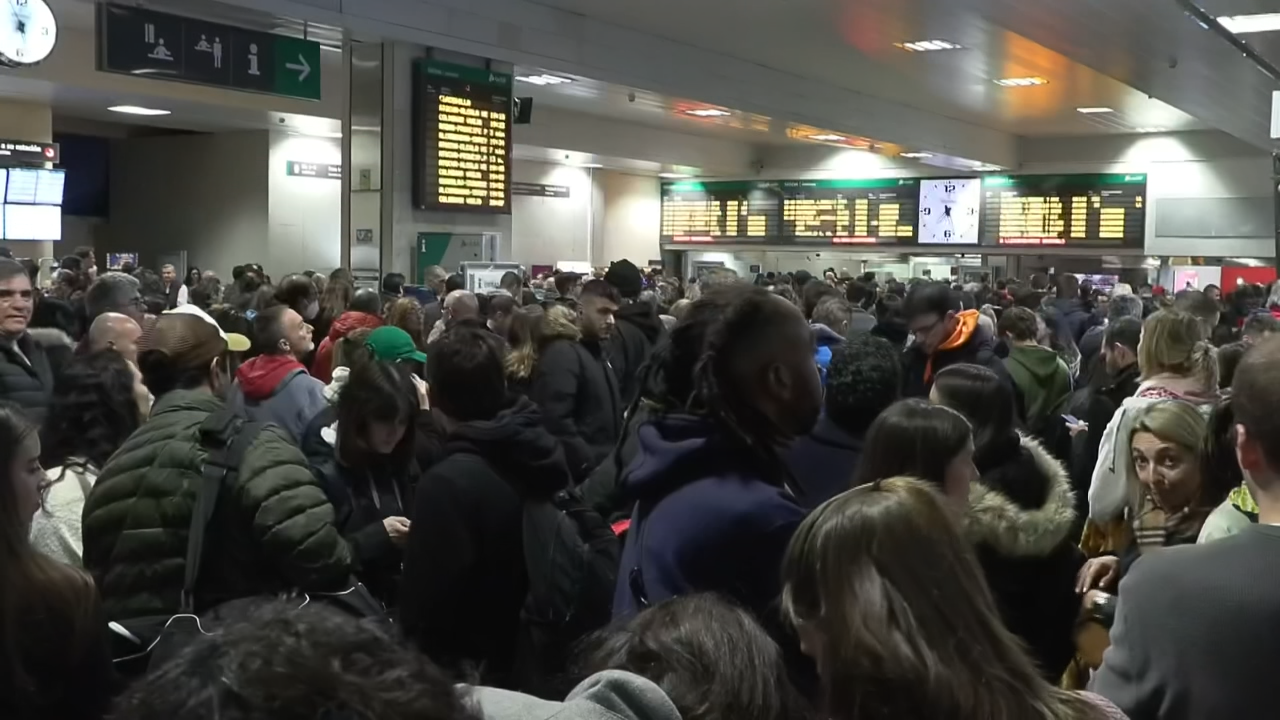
[(632, 496)]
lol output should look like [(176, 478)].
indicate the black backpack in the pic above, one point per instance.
[(571, 556)]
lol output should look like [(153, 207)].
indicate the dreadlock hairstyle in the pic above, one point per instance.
[(692, 372)]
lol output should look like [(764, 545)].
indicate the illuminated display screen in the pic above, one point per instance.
[(462, 134), (720, 211), (850, 212), (1100, 210)]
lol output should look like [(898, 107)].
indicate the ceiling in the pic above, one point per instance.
[(850, 44)]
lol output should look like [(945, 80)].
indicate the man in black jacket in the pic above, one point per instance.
[(464, 571), (575, 386), (942, 334), (637, 331), (27, 369)]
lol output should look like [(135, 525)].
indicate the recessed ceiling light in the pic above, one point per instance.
[(135, 110), (1149, 130), (1021, 81), (983, 167), (828, 137), (928, 45), (708, 112), (1241, 24), (1094, 110), (672, 175), (589, 166), (915, 155), (543, 79)]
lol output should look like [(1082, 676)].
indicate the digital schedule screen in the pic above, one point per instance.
[(462, 138), (851, 212), (1097, 210), (720, 211), (22, 185), (32, 222)]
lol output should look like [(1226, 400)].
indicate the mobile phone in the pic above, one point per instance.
[(1071, 419)]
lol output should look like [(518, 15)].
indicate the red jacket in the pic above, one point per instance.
[(351, 320)]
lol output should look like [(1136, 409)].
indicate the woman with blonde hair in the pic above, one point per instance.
[(889, 600), (1176, 362)]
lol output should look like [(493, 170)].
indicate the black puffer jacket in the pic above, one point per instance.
[(1019, 520), (28, 368), (575, 388), (637, 333), (464, 572), (978, 349)]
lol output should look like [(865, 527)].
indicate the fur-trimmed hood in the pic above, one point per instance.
[(50, 337), (560, 323), (1010, 527)]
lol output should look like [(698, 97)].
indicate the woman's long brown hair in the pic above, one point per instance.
[(908, 627), (32, 586)]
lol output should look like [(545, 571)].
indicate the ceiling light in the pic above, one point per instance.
[(673, 175), (983, 167), (1149, 130), (928, 45), (828, 137), (1021, 81), (135, 110), (708, 112), (915, 155), (589, 166), (1094, 110), (1241, 24), (543, 79)]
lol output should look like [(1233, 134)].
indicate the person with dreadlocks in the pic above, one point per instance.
[(714, 502)]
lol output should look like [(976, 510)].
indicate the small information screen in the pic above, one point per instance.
[(462, 138), (22, 185), (32, 222), (720, 211), (1089, 210), (851, 212)]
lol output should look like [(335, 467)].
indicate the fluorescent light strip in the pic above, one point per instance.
[(1243, 24), (928, 45), (828, 138), (915, 155), (136, 110), (1021, 81), (1146, 130), (1093, 110), (708, 112), (543, 79), (673, 175)]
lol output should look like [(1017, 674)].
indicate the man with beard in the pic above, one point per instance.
[(638, 329)]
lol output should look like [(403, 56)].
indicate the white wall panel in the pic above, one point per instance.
[(305, 214), (545, 230)]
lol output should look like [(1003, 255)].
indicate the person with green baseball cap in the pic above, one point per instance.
[(391, 344)]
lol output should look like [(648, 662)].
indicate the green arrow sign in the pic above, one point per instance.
[(297, 68)]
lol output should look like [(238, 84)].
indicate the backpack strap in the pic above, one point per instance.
[(227, 438)]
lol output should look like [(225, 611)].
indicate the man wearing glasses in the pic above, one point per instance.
[(942, 334)]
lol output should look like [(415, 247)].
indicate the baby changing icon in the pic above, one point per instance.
[(214, 49)]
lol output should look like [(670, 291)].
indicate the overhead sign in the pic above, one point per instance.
[(1093, 210), (298, 168), (145, 43), (28, 152), (462, 138), (539, 190)]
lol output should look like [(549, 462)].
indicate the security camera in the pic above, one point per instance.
[(631, 96)]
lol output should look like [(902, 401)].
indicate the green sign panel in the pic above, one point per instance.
[(160, 46)]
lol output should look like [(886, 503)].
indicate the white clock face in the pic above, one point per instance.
[(28, 31), (949, 211)]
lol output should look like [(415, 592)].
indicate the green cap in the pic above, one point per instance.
[(391, 343)]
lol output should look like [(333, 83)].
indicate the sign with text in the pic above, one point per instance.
[(539, 190), (462, 138), (157, 45), (297, 168), (28, 152)]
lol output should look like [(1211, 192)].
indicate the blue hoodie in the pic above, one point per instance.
[(706, 520), (824, 339)]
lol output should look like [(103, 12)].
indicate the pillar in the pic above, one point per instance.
[(32, 123)]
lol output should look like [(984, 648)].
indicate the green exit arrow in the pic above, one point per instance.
[(297, 71)]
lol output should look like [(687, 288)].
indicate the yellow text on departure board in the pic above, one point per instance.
[(471, 154)]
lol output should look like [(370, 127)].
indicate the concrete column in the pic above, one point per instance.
[(33, 123)]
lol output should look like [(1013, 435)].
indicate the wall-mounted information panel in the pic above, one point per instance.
[(850, 212), (462, 138), (721, 211), (1080, 210), (1096, 210)]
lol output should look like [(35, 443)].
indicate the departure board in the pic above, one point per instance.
[(720, 211), (851, 212), (462, 138), (1088, 210)]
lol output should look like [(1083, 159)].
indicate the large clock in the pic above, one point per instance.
[(949, 211), (28, 32)]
